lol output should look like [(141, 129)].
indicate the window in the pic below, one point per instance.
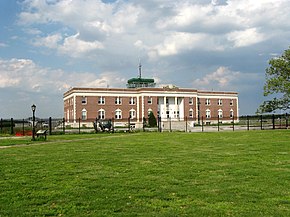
[(231, 102), (220, 102), (231, 113), (118, 101), (101, 100), (220, 113), (118, 114), (207, 113), (132, 114), (84, 100), (190, 101), (191, 113), (101, 114), (84, 114), (132, 101), (149, 100), (207, 102)]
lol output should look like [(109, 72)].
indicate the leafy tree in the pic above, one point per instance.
[(278, 83), (152, 120)]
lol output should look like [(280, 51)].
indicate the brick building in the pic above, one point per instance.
[(136, 102)]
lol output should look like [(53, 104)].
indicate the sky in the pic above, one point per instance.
[(50, 46)]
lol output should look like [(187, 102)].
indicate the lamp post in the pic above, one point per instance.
[(33, 108)]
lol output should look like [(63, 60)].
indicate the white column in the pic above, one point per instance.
[(175, 106), (138, 108), (142, 107), (164, 109), (74, 109), (237, 108)]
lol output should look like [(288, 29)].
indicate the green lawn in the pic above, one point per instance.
[(148, 174)]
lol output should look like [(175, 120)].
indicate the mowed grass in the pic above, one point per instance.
[(149, 174)]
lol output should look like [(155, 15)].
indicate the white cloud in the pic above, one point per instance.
[(50, 41), (3, 44), (246, 37), (26, 75), (73, 46), (221, 78), (164, 27)]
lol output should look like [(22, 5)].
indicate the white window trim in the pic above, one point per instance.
[(104, 114), (130, 113), (101, 100), (118, 101), (84, 111), (206, 114), (84, 100), (191, 113), (220, 113), (119, 115)]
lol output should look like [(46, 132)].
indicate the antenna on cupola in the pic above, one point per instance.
[(140, 68)]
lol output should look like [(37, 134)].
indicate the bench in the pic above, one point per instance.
[(41, 134)]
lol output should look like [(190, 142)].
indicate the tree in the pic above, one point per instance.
[(152, 120), (277, 83)]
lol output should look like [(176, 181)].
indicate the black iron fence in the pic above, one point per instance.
[(23, 127)]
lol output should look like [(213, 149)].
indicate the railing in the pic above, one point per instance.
[(23, 127)]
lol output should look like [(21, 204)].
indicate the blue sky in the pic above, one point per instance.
[(49, 46)]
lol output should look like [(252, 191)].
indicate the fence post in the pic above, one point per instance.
[(159, 123), (201, 123), (261, 122), (1, 125), (96, 125), (50, 126), (170, 130), (186, 124), (218, 123), (23, 132), (144, 120), (273, 121), (12, 128), (63, 126), (248, 123), (129, 124), (233, 122), (79, 125), (286, 121), (113, 125)]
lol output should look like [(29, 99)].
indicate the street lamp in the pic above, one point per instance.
[(33, 108)]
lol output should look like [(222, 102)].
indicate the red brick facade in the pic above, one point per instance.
[(175, 104)]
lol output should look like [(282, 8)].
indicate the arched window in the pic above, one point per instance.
[(132, 114), (84, 114), (118, 114), (220, 113), (101, 114), (231, 113), (207, 113)]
